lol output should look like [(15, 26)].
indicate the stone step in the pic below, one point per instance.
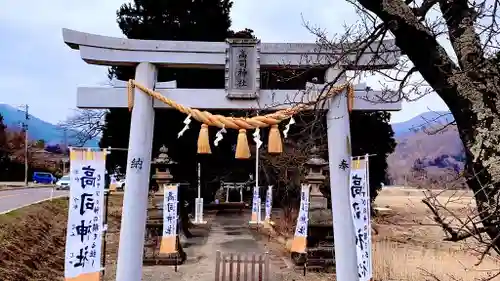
[(278, 262), (314, 268), (151, 244), (320, 262), (322, 252)]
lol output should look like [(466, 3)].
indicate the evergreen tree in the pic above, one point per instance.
[(197, 20), (4, 150), (167, 20), (371, 133)]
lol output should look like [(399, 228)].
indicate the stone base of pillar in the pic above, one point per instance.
[(198, 214)]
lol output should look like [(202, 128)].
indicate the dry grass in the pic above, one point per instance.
[(398, 261), (113, 235), (410, 247), (32, 242)]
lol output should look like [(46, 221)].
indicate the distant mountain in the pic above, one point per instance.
[(419, 147), (435, 153), (39, 129), (422, 121)]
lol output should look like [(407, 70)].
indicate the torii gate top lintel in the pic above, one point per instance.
[(241, 91), (95, 50)]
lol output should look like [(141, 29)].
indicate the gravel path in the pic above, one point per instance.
[(229, 233)]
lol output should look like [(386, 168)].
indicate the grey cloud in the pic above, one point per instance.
[(44, 72)]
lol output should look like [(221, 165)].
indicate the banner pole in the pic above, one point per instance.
[(257, 146), (105, 231), (369, 211)]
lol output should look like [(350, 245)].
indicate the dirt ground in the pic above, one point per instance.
[(228, 233), (410, 244), (32, 245), (32, 242)]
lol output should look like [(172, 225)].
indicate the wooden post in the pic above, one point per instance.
[(223, 268), (245, 267), (238, 267), (217, 265), (266, 266), (105, 223)]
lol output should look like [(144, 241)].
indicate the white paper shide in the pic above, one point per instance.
[(360, 212), (302, 220), (85, 216)]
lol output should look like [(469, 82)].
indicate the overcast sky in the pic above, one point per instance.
[(38, 69)]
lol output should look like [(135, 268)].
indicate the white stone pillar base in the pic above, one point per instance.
[(198, 214)]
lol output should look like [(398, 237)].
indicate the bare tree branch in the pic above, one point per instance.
[(465, 76), (84, 125)]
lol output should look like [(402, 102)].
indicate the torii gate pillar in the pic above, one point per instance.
[(339, 147), (134, 213)]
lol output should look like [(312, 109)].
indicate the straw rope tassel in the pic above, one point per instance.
[(350, 97), (130, 93), (242, 149), (274, 142), (203, 140)]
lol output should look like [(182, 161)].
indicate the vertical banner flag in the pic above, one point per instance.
[(170, 218), (360, 212), (300, 237), (85, 215), (269, 203), (255, 206)]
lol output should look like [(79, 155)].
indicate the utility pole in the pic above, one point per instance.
[(65, 149), (25, 129)]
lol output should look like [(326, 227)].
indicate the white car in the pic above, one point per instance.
[(63, 183), (120, 184)]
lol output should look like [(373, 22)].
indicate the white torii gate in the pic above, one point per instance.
[(148, 55)]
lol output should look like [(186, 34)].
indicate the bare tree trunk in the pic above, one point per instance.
[(470, 89), (479, 129)]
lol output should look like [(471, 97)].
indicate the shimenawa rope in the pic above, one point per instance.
[(239, 123)]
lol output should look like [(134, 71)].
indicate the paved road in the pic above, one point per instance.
[(18, 198), (4, 184)]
